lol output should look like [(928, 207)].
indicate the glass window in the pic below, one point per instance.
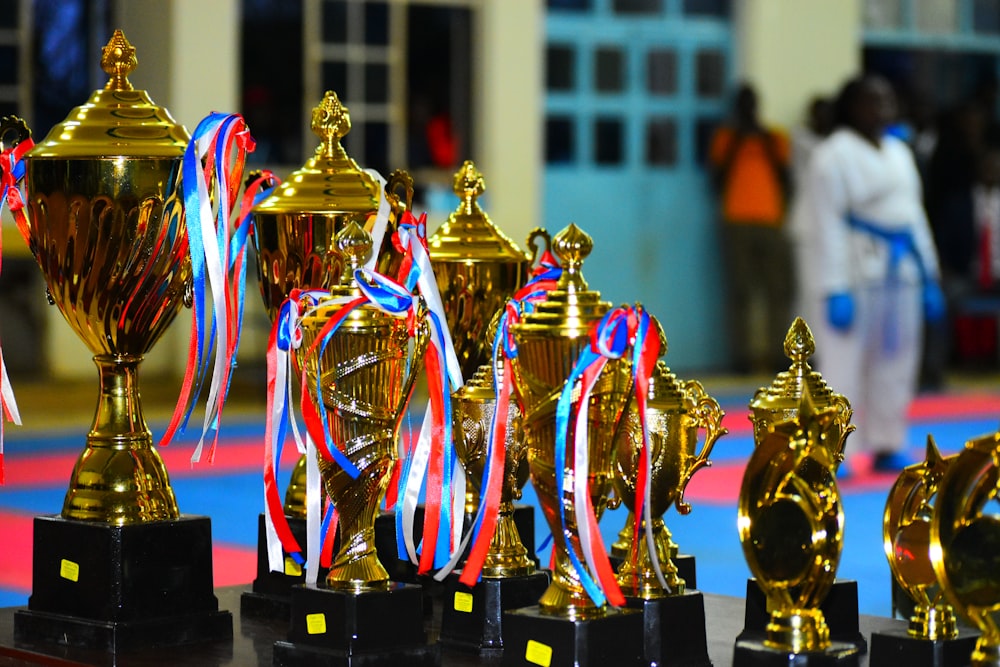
[(704, 128), (609, 141), (717, 8), (334, 77), (935, 16), (560, 66), (638, 6), (560, 140), (661, 142), (986, 16), (377, 146), (661, 72), (376, 23), (8, 65), (575, 5), (376, 83), (334, 18), (881, 14), (609, 70), (8, 13), (710, 73)]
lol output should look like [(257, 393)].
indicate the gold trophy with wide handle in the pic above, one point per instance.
[(106, 225), (675, 413), (293, 236), (567, 622), (933, 638), (364, 374)]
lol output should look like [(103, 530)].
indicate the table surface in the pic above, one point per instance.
[(253, 640)]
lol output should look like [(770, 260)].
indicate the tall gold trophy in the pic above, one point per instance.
[(293, 236), (567, 625), (933, 638), (675, 413), (106, 226), (365, 378), (965, 542), (791, 525)]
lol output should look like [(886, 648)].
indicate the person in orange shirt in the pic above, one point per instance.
[(750, 171)]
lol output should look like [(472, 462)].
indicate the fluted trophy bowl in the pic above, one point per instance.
[(106, 225), (473, 407), (675, 413), (549, 341), (364, 377)]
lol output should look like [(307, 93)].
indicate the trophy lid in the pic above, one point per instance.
[(468, 234), (666, 393), (330, 181), (117, 121), (785, 392), (354, 244), (571, 307)]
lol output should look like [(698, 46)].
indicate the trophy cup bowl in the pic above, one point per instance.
[(965, 542), (675, 413), (364, 385), (549, 341)]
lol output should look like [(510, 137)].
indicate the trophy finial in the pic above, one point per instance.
[(799, 342), (331, 121), (355, 245), (118, 61), (469, 185), (572, 245)]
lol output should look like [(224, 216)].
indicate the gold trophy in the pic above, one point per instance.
[(549, 340), (932, 638), (106, 226), (293, 235), (791, 525), (964, 538), (365, 378), (675, 412)]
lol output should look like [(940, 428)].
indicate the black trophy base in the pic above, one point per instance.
[(684, 563), (371, 628), (674, 630), (840, 609), (533, 638), (753, 653), (897, 647), (472, 618), (117, 588)]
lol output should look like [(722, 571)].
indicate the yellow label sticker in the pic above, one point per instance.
[(69, 570), (538, 653), (463, 602), (316, 624), (292, 569)]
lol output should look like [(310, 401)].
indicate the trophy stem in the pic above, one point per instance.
[(119, 478), (507, 556), (797, 630), (933, 622), (638, 578)]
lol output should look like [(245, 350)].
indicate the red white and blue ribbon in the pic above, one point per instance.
[(11, 173), (212, 172)]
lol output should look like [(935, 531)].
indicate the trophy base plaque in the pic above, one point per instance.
[(369, 629), (472, 618), (753, 653), (116, 588), (674, 630), (685, 564), (533, 638), (898, 647), (840, 609)]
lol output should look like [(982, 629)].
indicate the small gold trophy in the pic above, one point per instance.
[(293, 236), (106, 226), (965, 542), (791, 525), (549, 340), (365, 375), (675, 412), (932, 638)]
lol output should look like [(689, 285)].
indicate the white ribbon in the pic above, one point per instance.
[(381, 219)]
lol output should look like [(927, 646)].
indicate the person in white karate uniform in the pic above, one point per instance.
[(871, 271)]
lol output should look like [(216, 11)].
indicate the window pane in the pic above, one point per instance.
[(335, 22), (704, 128), (882, 14), (560, 140), (986, 16), (661, 142), (8, 13), (710, 67), (638, 6), (376, 83), (334, 77), (609, 141), (575, 5), (718, 8), (560, 65), (936, 16), (609, 70), (377, 146), (661, 72), (376, 23), (8, 65)]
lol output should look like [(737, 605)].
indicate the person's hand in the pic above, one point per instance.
[(840, 310), (934, 303)]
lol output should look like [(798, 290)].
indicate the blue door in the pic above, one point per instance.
[(634, 89)]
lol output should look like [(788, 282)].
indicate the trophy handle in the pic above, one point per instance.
[(708, 415), (400, 178), (422, 338), (13, 131), (536, 252), (844, 414)]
